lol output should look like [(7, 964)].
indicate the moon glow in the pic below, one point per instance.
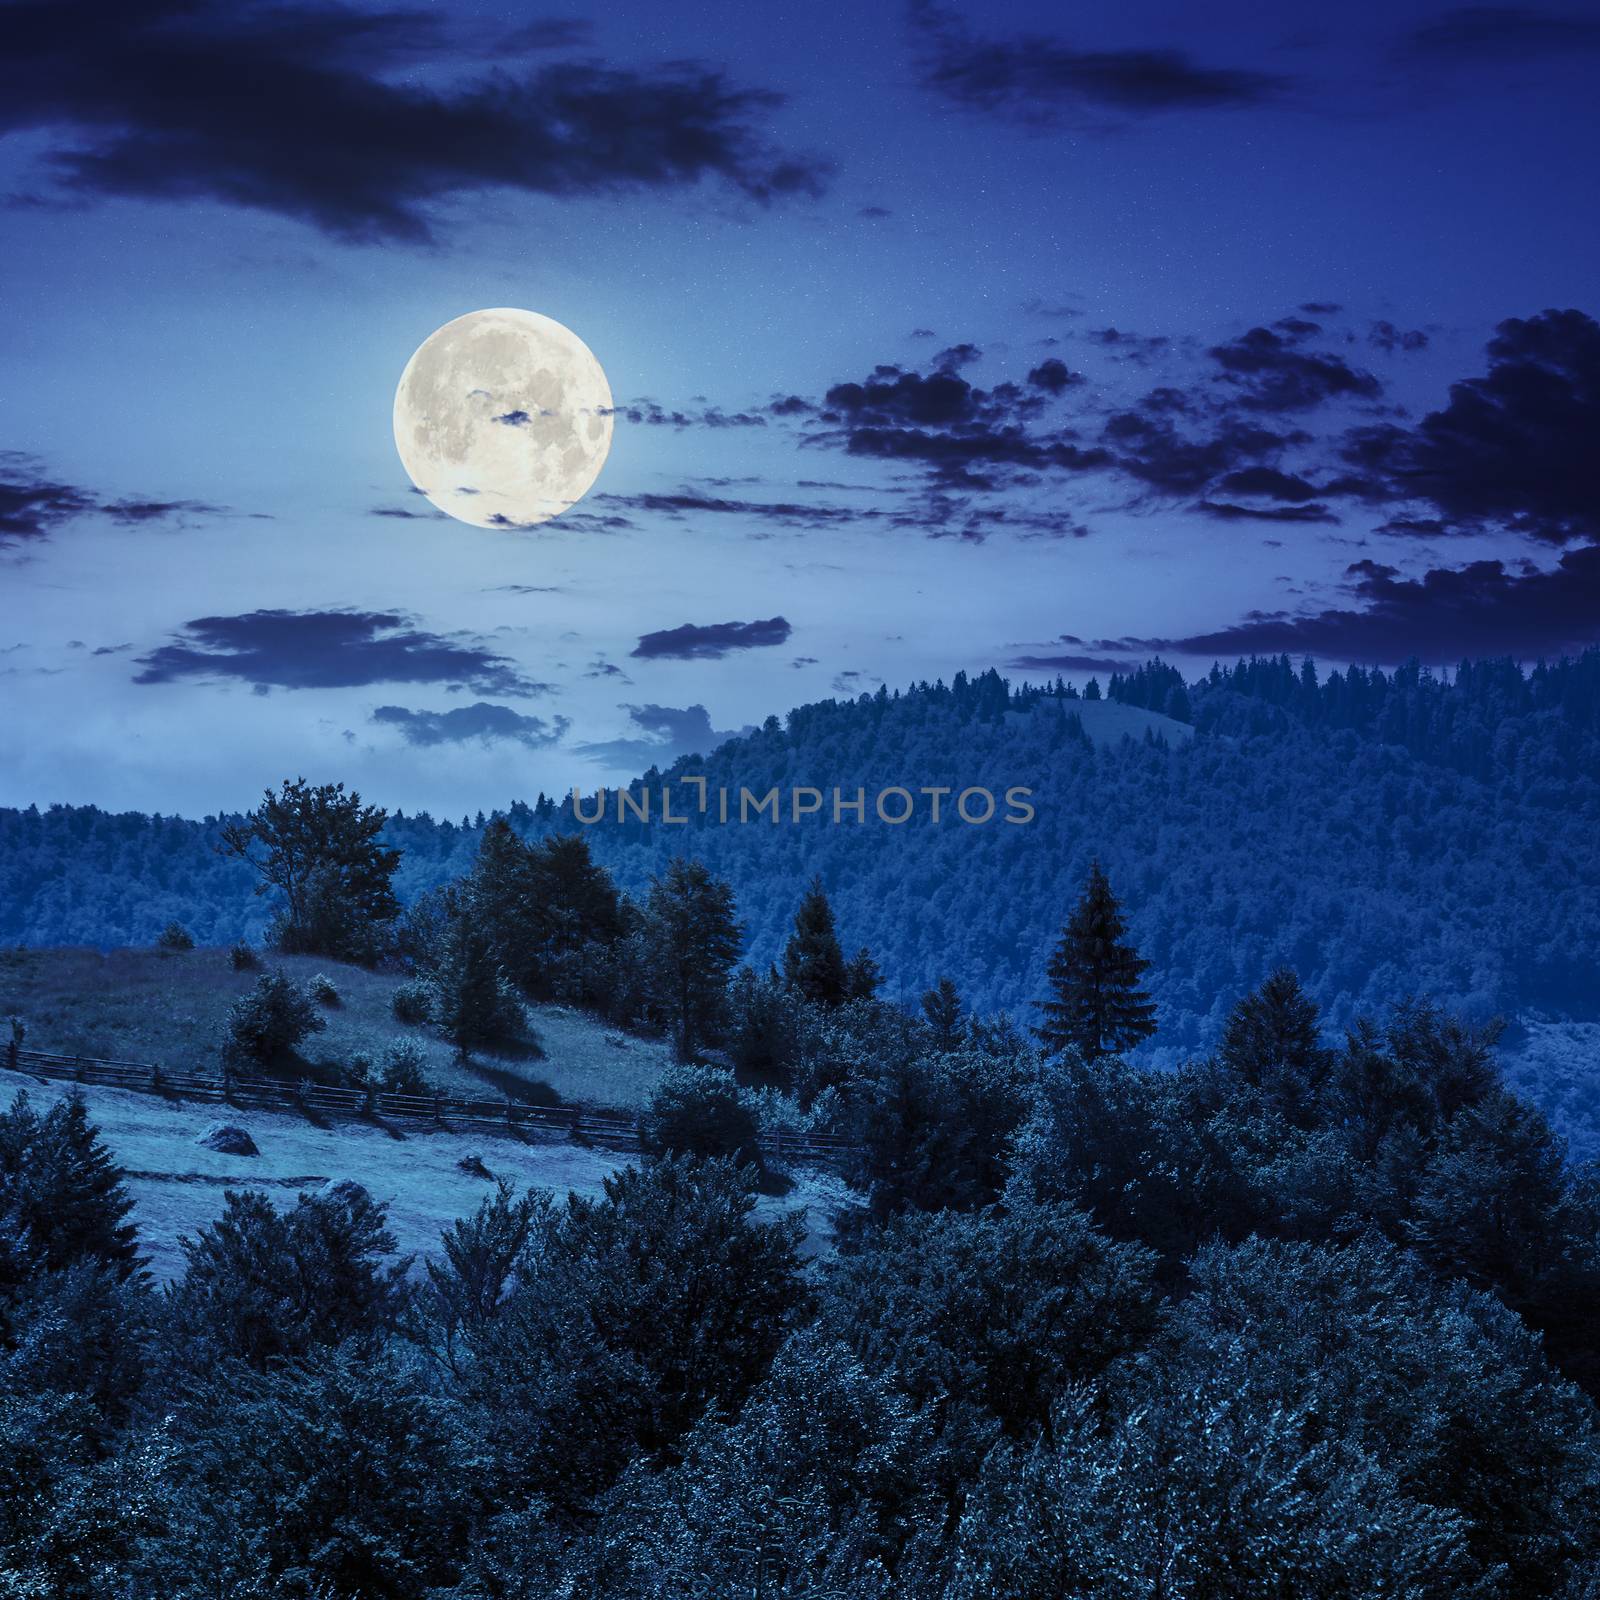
[(503, 418)]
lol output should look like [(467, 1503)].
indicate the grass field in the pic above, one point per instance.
[(178, 1185), (171, 1010)]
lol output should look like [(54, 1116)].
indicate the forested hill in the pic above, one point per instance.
[(1384, 835)]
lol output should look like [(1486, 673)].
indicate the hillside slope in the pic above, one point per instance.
[(178, 1185), (1384, 836), (171, 1010)]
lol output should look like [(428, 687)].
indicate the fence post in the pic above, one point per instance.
[(438, 1106)]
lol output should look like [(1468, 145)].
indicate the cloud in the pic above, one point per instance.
[(328, 650), (1229, 511), (944, 422), (1487, 608), (786, 513), (130, 513), (1043, 81), (1496, 33), (1387, 337), (1152, 451), (711, 641), (33, 505), (650, 414), (668, 732), (1069, 661), (1136, 347), (1514, 447), (317, 112), (1052, 376), (479, 722), (1272, 374)]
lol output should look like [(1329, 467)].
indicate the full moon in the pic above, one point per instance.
[(503, 418)]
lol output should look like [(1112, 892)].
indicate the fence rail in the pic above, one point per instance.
[(616, 1130)]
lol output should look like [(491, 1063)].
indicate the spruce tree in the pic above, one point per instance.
[(61, 1191), (862, 976), (1272, 1040), (1097, 1004), (693, 942), (475, 1005), (501, 898), (813, 959), (941, 1009)]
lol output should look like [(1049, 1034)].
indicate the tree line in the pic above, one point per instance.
[(1304, 1317)]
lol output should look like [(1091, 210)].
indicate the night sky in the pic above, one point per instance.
[(1036, 337)]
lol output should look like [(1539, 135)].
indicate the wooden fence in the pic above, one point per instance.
[(613, 1130)]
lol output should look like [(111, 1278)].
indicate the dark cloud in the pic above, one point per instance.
[(1138, 347), (710, 641), (923, 333), (328, 650), (956, 357), (1321, 308), (1388, 338), (514, 419), (130, 513), (33, 506), (947, 515), (480, 722), (526, 588), (650, 414), (791, 405), (668, 732), (1152, 451), (1498, 33), (1228, 511), (1041, 80), (1273, 374), (1270, 483), (948, 425), (317, 112), (1448, 614), (784, 513), (1515, 447), (874, 213), (1069, 661), (1053, 376)]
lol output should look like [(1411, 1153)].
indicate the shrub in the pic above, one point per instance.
[(244, 958), (324, 991), (701, 1111), (266, 1025), (412, 1002), (174, 939), (403, 1069)]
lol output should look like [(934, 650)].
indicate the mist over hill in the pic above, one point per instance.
[(1384, 835)]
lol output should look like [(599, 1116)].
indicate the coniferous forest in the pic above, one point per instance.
[(1388, 836), (1312, 1312)]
